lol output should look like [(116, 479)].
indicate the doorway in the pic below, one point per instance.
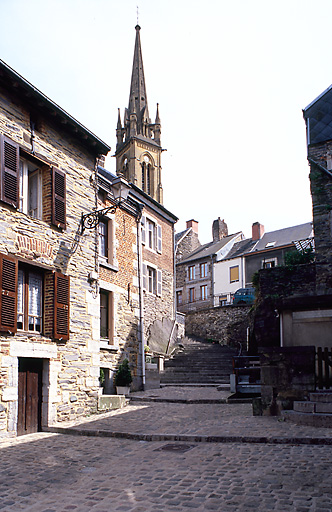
[(30, 372)]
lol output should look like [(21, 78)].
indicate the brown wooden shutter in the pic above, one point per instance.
[(58, 198), (61, 306), (8, 297), (10, 162)]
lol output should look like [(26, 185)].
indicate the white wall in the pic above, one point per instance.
[(222, 284)]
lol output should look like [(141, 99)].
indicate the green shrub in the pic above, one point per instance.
[(123, 375)]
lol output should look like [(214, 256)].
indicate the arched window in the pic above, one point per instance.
[(148, 179), (143, 176)]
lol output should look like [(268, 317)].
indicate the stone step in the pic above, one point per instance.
[(199, 362), (321, 396), (314, 420), (313, 407)]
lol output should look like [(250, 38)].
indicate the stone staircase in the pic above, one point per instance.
[(199, 363), (316, 412)]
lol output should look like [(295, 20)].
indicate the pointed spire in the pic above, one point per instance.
[(157, 127), (119, 126), (119, 131), (138, 102), (157, 121)]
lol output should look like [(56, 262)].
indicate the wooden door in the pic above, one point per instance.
[(29, 395)]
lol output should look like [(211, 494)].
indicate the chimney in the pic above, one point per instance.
[(257, 231), (219, 229), (193, 224)]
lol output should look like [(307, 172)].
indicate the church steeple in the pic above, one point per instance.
[(138, 149), (138, 102)]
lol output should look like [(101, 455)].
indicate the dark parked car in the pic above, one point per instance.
[(244, 296)]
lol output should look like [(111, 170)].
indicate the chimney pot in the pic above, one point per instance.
[(193, 224), (257, 231)]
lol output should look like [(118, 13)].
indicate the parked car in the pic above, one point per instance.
[(244, 296)]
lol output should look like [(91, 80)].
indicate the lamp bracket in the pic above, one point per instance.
[(92, 220)]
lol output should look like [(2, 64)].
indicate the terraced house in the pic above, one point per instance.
[(49, 361)]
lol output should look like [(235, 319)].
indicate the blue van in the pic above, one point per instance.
[(244, 296)]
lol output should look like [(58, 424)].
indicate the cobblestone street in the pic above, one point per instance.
[(48, 472)]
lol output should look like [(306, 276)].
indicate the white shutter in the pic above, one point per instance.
[(159, 282), (143, 224), (144, 276), (159, 240)]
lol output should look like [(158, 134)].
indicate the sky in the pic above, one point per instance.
[(231, 78)]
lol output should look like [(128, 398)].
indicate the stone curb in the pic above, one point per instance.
[(191, 438), (180, 400)]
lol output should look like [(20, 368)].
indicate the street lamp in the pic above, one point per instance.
[(120, 188)]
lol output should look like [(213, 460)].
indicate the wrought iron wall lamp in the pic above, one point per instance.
[(120, 188)]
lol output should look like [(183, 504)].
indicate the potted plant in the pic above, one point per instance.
[(123, 378)]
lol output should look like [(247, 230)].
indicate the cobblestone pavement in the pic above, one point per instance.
[(49, 472), (164, 421), (58, 473)]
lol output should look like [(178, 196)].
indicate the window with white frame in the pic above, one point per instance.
[(204, 292), (30, 189), (234, 274), (105, 236), (151, 234), (152, 279), (29, 300), (191, 272), (269, 263), (106, 316), (203, 268)]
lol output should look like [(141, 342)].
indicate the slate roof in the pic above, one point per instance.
[(318, 116), (181, 235), (34, 98), (283, 237), (209, 249), (241, 248)]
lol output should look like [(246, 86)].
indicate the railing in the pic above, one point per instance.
[(324, 368)]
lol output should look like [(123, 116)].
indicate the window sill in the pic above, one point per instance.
[(105, 264), (32, 334), (104, 345)]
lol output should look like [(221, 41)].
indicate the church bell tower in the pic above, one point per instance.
[(138, 148)]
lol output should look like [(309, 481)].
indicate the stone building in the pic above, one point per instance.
[(195, 278), (186, 241), (295, 303), (49, 359)]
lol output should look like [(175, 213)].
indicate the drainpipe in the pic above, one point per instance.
[(140, 288), (212, 280), (281, 330)]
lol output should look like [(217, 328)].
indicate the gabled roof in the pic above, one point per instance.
[(283, 237), (210, 248), (180, 236), (35, 99), (318, 116), (241, 248)]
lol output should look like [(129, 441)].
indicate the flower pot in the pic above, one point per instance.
[(123, 390)]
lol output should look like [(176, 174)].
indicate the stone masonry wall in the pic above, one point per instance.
[(187, 245), (225, 324), (321, 191), (72, 367)]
